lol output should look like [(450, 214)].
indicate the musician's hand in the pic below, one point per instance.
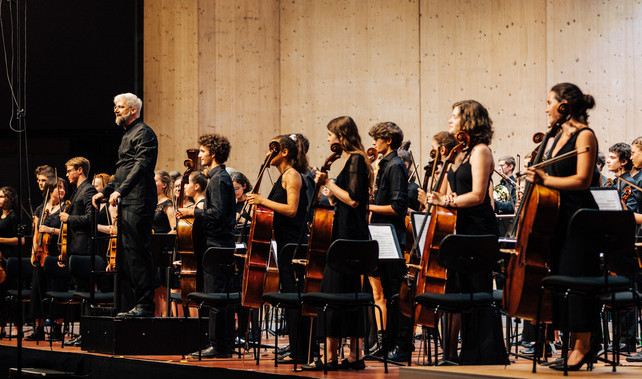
[(96, 198), (185, 212), (321, 177), (33, 259), (422, 197), (44, 229), (436, 198), (113, 198), (64, 216), (535, 175), (255, 199), (61, 262), (113, 229)]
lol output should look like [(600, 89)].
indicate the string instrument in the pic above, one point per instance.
[(372, 154), (320, 234), (625, 193), (3, 273), (113, 242), (184, 239), (257, 257), (533, 227), (432, 276), (41, 248), (62, 237)]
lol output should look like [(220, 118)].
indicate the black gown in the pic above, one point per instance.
[(350, 223), (160, 223), (481, 330), (8, 228), (565, 259)]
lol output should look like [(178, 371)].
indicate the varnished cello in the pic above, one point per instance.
[(259, 243), (184, 235), (431, 277), (533, 229)]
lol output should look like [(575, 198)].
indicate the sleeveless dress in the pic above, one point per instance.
[(349, 223), (160, 222), (481, 330), (565, 259)]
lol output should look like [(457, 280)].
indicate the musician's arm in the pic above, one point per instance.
[(292, 183), (481, 165)]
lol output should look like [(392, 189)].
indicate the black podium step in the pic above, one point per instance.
[(141, 336)]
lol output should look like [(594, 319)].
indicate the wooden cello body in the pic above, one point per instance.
[(257, 259), (184, 236)]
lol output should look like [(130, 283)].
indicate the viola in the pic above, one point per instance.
[(41, 247), (533, 229), (320, 234), (112, 246), (62, 237), (189, 276), (258, 254), (431, 276)]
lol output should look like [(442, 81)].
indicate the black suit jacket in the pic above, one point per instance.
[(134, 177), (79, 222)]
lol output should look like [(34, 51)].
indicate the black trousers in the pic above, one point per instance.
[(221, 319), (135, 230), (398, 328)]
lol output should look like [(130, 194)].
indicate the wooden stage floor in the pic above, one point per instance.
[(247, 368)]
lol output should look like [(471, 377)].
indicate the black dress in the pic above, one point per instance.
[(8, 228), (160, 223), (565, 259), (350, 223), (481, 330)]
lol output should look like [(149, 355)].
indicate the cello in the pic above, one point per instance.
[(431, 275), (184, 239), (320, 234), (533, 227), (258, 253)]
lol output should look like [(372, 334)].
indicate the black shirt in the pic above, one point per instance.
[(218, 217), (392, 189), (134, 177), (8, 229)]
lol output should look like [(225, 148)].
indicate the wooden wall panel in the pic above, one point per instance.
[(171, 77), (597, 45), (356, 58), (239, 76), (489, 51)]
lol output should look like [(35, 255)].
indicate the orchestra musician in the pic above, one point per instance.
[(572, 177), (133, 183), (619, 163), (50, 225), (467, 192), (351, 194), (164, 216), (288, 199), (413, 187), (241, 188), (8, 242), (506, 165), (389, 206), (216, 224), (43, 173)]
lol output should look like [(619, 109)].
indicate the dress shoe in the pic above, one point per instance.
[(74, 341), (624, 347), (356, 365), (398, 355), (317, 365), (635, 358), (210, 352), (531, 352), (283, 350), (588, 359), (37, 335), (138, 311), (286, 360)]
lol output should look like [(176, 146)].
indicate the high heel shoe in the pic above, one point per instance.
[(588, 358)]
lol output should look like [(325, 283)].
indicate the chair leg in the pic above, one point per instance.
[(276, 340), (412, 327), (325, 341), (537, 326), (260, 321), (200, 337)]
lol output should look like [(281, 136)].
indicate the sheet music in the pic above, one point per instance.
[(607, 199), (417, 219), (385, 235)]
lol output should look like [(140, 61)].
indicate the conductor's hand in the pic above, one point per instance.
[(96, 198)]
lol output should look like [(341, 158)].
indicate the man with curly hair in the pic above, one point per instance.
[(216, 224)]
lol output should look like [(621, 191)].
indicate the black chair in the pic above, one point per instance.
[(594, 232), (12, 280), (282, 300), (64, 297), (80, 268), (215, 261), (352, 258), (466, 255)]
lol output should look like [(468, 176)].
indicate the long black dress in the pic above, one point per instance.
[(288, 230), (481, 330), (350, 223), (8, 228), (565, 259)]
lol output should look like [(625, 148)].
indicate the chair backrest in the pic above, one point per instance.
[(287, 252), (469, 254), (80, 265), (353, 257), (12, 269), (54, 271), (218, 258), (609, 232)]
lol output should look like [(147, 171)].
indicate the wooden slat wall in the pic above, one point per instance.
[(251, 69)]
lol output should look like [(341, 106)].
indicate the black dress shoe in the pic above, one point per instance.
[(210, 352), (74, 341), (138, 311), (356, 365), (398, 355), (588, 359), (317, 365)]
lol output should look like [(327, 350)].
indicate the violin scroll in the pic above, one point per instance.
[(372, 154)]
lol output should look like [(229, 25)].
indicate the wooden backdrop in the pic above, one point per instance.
[(252, 69)]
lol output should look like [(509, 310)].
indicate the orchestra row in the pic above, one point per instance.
[(211, 205)]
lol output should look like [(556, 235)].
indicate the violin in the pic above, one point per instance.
[(258, 254), (112, 246), (372, 154), (189, 280), (533, 228), (41, 247), (62, 237)]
